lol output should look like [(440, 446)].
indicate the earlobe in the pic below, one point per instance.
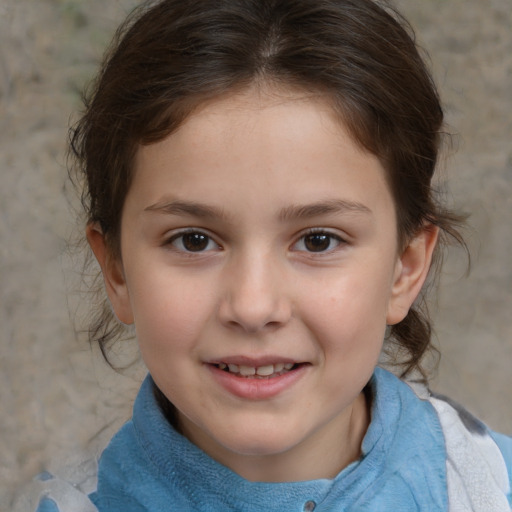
[(113, 275), (411, 272)]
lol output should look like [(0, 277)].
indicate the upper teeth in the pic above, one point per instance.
[(263, 371)]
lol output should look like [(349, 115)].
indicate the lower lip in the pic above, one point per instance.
[(251, 388)]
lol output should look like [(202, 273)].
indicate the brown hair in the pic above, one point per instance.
[(172, 55)]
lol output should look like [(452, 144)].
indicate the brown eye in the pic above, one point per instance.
[(193, 241), (318, 242)]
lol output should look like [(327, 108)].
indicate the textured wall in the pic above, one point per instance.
[(56, 394)]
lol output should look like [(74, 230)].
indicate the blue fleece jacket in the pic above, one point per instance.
[(148, 466)]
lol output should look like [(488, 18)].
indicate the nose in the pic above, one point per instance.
[(255, 298)]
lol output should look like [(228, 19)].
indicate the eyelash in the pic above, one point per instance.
[(177, 241), (330, 237)]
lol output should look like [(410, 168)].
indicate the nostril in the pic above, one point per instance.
[(273, 325)]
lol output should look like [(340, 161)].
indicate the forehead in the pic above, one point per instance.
[(263, 141)]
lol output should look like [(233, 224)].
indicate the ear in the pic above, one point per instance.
[(411, 272), (113, 274)]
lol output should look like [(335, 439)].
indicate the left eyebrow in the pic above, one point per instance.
[(333, 206)]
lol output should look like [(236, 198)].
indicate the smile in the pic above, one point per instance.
[(260, 380), (263, 372)]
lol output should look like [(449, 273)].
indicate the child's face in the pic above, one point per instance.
[(260, 237)]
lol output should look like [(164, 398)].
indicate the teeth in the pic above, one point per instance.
[(265, 371), (261, 371), (247, 371)]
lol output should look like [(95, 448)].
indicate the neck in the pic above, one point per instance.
[(322, 455)]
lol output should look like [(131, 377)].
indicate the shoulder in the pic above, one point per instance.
[(478, 461), (63, 493), (504, 443), (141, 467), (49, 504), (75, 489)]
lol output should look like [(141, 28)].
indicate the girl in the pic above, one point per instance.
[(258, 191)]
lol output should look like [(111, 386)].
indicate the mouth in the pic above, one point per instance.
[(262, 378), (268, 371)]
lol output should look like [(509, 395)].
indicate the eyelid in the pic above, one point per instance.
[(176, 234), (320, 231)]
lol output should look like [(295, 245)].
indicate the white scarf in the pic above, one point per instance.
[(477, 476)]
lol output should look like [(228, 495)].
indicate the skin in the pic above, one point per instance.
[(251, 174)]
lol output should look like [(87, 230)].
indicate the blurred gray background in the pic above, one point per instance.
[(57, 396)]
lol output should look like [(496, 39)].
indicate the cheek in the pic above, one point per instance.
[(348, 325), (169, 311), (349, 311)]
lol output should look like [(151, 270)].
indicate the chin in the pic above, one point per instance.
[(258, 448)]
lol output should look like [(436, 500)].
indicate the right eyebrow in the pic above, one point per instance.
[(188, 208), (333, 206)]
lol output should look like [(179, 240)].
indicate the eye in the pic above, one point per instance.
[(192, 241), (317, 241)]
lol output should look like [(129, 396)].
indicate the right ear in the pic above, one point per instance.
[(113, 274)]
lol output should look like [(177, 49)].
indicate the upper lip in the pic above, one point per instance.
[(254, 362)]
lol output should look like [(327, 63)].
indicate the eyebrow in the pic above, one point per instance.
[(293, 212), (333, 206), (186, 208)]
